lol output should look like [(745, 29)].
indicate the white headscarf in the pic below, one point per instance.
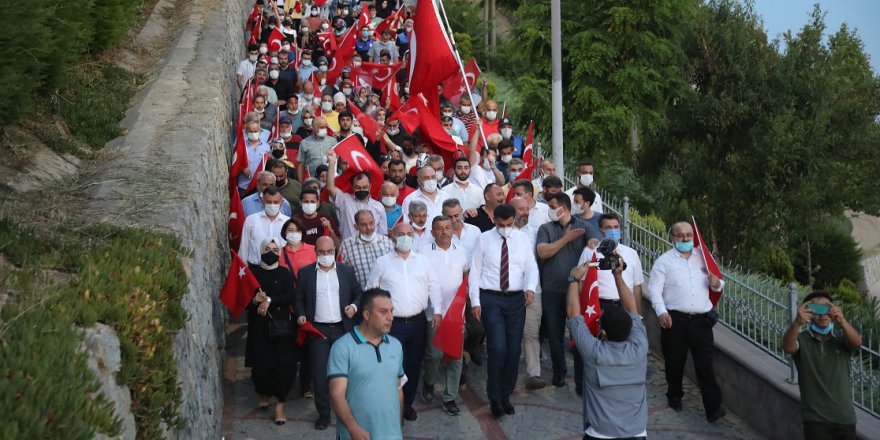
[(264, 247)]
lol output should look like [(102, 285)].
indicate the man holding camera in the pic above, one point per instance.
[(823, 362), (615, 362), (679, 291)]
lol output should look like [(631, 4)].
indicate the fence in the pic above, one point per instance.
[(754, 306)]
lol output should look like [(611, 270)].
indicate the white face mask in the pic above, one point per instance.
[(506, 133), (274, 74), (306, 63), (310, 208), (429, 186), (322, 132), (285, 134), (272, 209), (368, 238), (264, 50), (253, 58), (346, 91), (404, 243), (358, 130), (314, 12), (389, 201), (308, 96), (507, 158), (274, 60), (555, 214), (307, 122), (449, 114), (504, 231), (486, 163), (577, 208), (586, 179), (326, 260), (286, 48), (322, 68), (417, 227), (326, 106), (490, 115), (356, 64), (393, 131), (253, 136), (465, 109), (294, 237)]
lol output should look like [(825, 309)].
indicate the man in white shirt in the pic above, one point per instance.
[(539, 213), (585, 174), (266, 223), (428, 193), (349, 204), (502, 282), (679, 291), (463, 235), (469, 194), (418, 219), (531, 330), (548, 168), (412, 282), (248, 66), (450, 261)]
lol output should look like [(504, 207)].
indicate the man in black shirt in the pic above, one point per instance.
[(482, 216)]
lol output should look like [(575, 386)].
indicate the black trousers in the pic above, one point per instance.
[(553, 315), (412, 334), (694, 333), (829, 431), (319, 354)]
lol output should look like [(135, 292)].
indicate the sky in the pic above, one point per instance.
[(861, 15)]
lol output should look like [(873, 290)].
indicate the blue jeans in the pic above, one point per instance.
[(504, 318)]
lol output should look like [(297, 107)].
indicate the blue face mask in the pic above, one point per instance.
[(613, 234), (819, 330), (684, 246)]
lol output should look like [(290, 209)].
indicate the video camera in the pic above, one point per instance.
[(609, 260)]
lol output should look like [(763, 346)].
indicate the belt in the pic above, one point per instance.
[(412, 318), (690, 315), (330, 324), (502, 292), (604, 301)]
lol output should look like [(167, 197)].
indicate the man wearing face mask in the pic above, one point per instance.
[(428, 193), (514, 169), (823, 362), (560, 243), (282, 87), (489, 120), (349, 204), (547, 169), (582, 202), (412, 282), (501, 284), (458, 127), (248, 66), (418, 219), (254, 203), (257, 148), (585, 174), (679, 290), (290, 189), (307, 96), (313, 149), (261, 225), (505, 157), (466, 114), (364, 43), (306, 67), (363, 249), (327, 295), (317, 221), (468, 193), (393, 211), (385, 44), (505, 128), (328, 113), (397, 175)]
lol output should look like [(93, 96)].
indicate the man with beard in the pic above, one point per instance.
[(469, 195)]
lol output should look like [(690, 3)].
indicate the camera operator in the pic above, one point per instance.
[(615, 362), (823, 363)]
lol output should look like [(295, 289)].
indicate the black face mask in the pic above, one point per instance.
[(269, 258), (280, 183), (277, 154), (361, 194), (408, 150)]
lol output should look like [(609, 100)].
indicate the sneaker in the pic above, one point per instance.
[(451, 408), (428, 392), (535, 383)]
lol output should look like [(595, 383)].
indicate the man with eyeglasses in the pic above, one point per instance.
[(679, 291)]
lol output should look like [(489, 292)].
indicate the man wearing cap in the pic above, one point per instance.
[(505, 127), (386, 43)]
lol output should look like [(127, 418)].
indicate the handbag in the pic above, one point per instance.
[(281, 328)]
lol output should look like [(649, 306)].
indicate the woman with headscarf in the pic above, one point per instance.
[(272, 361)]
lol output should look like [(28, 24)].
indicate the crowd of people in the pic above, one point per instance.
[(374, 263)]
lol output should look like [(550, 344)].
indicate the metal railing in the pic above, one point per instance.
[(756, 307)]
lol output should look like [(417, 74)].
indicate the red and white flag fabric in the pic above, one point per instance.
[(275, 40), (391, 94), (391, 23), (432, 58), (528, 154), (709, 260), (352, 151), (239, 288), (369, 125), (526, 174), (328, 42), (252, 186), (431, 128), (235, 223), (344, 52), (375, 75), (408, 115), (454, 86), (450, 333), (589, 297), (307, 330), (364, 18)]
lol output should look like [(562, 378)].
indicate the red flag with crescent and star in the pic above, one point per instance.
[(709, 261), (432, 58), (454, 86), (450, 333), (590, 298), (235, 223), (528, 154), (374, 75), (239, 288), (352, 151)]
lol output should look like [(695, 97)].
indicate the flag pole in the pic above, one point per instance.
[(467, 86)]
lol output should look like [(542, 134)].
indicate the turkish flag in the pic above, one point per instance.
[(391, 94), (432, 59), (275, 40), (528, 154), (391, 23), (364, 19), (307, 330), (352, 151), (239, 155), (408, 115), (454, 86), (450, 333), (328, 42), (432, 130), (590, 296), (236, 217), (370, 126), (253, 183), (526, 174), (253, 16), (344, 52), (255, 32), (709, 260), (375, 75), (239, 288)]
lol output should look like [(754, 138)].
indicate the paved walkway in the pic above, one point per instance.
[(549, 413)]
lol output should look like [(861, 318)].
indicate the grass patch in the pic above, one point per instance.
[(129, 279)]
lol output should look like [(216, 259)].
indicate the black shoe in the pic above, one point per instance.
[(451, 408), (675, 404), (578, 390), (715, 415), (508, 408), (559, 380), (497, 410), (410, 414), (535, 383), (428, 392), (322, 423), (477, 357)]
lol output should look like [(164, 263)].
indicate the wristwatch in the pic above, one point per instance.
[(572, 279), (269, 299)]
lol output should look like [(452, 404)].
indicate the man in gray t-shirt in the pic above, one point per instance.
[(313, 149), (615, 363)]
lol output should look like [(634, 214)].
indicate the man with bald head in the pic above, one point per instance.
[(389, 191), (679, 291), (412, 282), (327, 295), (364, 248), (429, 193), (314, 148)]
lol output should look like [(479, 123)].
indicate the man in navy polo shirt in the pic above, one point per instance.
[(366, 374)]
